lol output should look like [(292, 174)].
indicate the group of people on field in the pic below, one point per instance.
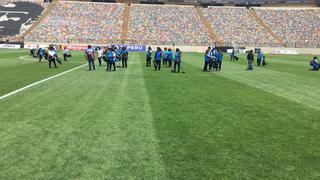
[(50, 54), (166, 56), (261, 59), (110, 55), (213, 58)]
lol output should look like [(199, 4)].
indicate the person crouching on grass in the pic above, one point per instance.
[(89, 55), (315, 64), (177, 60)]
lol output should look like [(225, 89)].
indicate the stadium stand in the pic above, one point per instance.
[(166, 24), (81, 22), (235, 25), (16, 17), (297, 27)]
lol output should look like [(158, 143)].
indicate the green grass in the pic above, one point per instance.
[(139, 124)]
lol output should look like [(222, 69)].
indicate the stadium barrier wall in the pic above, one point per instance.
[(201, 49)]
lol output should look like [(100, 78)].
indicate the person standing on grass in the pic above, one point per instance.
[(124, 57), (250, 58), (65, 53), (170, 57), (177, 60), (259, 57), (52, 57), (157, 59), (232, 55), (113, 59), (89, 55), (165, 56), (219, 59), (99, 53), (148, 57), (207, 59)]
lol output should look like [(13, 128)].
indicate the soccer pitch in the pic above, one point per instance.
[(136, 123)]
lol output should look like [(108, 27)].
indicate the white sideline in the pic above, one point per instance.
[(38, 82)]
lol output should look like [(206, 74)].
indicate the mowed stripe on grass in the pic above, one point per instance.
[(82, 125)]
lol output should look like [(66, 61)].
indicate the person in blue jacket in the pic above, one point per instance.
[(259, 57), (124, 57), (157, 59), (207, 59), (170, 57), (42, 52), (112, 59), (177, 60), (219, 59), (165, 56)]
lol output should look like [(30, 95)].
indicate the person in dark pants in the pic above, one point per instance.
[(157, 59), (109, 58), (52, 57), (165, 57), (207, 59), (89, 55), (124, 54), (219, 60), (177, 60), (264, 62), (232, 55), (250, 58), (148, 57), (42, 51), (112, 59), (65, 53), (170, 57), (259, 57), (99, 53)]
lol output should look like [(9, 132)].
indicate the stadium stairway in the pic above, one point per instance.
[(204, 21), (265, 26), (125, 25), (43, 16)]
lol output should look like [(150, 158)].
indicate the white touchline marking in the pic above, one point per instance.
[(38, 82)]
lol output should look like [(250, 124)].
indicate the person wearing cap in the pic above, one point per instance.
[(89, 55), (177, 60)]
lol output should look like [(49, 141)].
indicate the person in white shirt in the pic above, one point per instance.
[(65, 53), (100, 53), (52, 57)]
